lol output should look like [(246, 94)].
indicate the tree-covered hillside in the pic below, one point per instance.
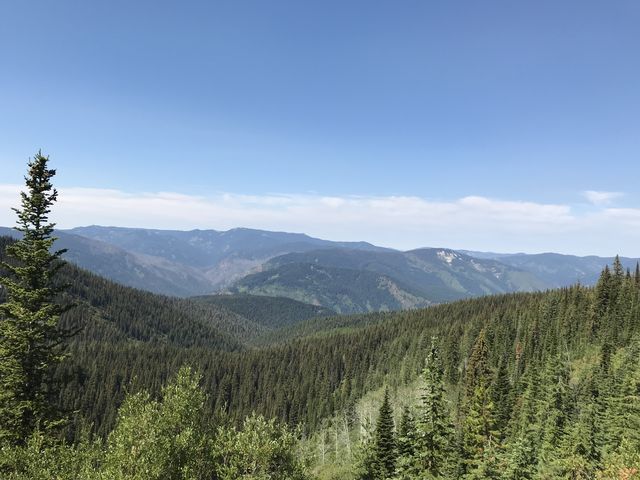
[(497, 350), (353, 281), (270, 312), (309, 377)]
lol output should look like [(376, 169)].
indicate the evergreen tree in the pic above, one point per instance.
[(479, 431), (618, 272), (406, 442), (406, 434), (478, 369), (380, 452), (624, 413), (603, 299), (580, 456), (520, 461), (553, 416), (488, 467), (502, 397), (435, 434), (385, 439), (31, 338)]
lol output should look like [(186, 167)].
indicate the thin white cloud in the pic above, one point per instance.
[(601, 198), (404, 222)]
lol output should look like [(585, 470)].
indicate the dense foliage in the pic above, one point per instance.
[(166, 439), (171, 438), (269, 312), (558, 398), (136, 340), (497, 358)]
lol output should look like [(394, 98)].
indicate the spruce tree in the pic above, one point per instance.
[(501, 393), (520, 461), (435, 433), (406, 440), (553, 416), (385, 440), (379, 453), (603, 293), (31, 339), (580, 455), (479, 431)]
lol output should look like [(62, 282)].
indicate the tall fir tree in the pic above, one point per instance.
[(31, 338), (406, 440), (406, 443), (553, 416), (385, 439), (435, 432), (580, 456), (501, 394), (479, 432), (602, 304), (380, 452)]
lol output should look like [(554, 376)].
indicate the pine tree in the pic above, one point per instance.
[(479, 431), (406, 434), (385, 439), (520, 461), (406, 441), (435, 433), (603, 299), (380, 452), (31, 339), (502, 397), (553, 415)]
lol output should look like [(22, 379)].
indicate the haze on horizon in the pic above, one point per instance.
[(494, 126)]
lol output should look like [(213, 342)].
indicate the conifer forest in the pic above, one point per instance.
[(104, 381)]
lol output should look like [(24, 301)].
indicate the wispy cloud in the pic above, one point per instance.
[(404, 222), (601, 198)]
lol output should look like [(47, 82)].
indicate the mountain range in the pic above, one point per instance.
[(352, 281), (343, 277)]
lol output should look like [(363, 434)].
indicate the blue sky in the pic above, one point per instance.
[(522, 102)]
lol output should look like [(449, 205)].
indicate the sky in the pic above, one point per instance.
[(494, 125)]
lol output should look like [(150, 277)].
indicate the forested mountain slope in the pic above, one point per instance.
[(307, 378), (112, 313), (351, 281), (502, 358), (270, 312), (551, 391)]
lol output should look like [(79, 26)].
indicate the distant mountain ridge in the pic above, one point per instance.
[(132, 269), (350, 281), (220, 257), (555, 269), (347, 277)]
